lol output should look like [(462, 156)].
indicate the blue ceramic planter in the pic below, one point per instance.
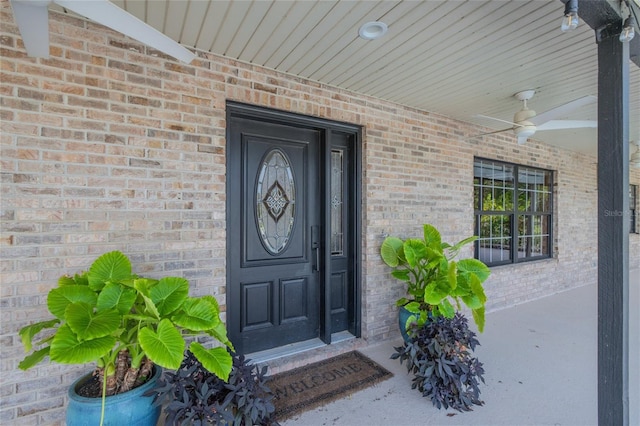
[(403, 316), (129, 408)]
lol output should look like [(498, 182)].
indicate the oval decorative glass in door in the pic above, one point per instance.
[(275, 201)]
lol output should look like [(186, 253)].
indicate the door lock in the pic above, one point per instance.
[(315, 246)]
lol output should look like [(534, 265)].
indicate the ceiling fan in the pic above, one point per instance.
[(32, 17), (526, 122)]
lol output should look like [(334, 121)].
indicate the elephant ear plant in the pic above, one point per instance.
[(435, 281), (126, 323)]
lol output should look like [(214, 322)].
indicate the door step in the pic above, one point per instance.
[(301, 353)]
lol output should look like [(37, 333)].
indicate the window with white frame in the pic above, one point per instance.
[(513, 207)]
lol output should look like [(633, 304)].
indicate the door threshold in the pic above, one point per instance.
[(296, 348)]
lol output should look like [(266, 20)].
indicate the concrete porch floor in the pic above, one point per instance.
[(540, 360)]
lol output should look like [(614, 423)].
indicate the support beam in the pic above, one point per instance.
[(606, 18), (613, 229)]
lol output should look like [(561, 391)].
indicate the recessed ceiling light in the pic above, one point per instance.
[(372, 30)]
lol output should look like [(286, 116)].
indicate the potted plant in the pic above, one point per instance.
[(193, 395), (439, 356), (126, 325), (435, 280)]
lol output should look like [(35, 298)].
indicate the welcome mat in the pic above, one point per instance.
[(313, 385)]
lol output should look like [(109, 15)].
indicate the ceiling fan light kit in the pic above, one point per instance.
[(524, 132), (32, 18)]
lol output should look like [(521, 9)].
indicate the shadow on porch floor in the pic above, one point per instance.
[(541, 369)]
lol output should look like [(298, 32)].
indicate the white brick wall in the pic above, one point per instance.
[(104, 147)]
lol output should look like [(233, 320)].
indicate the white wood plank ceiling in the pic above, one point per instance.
[(454, 57)]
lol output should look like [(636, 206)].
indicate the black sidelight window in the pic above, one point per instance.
[(513, 212)]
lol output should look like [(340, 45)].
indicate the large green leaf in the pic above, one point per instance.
[(67, 349), (220, 329), (402, 301), (77, 279), (432, 237), (463, 288), (435, 292), (411, 319), (414, 251), (474, 266), (197, 315), (141, 318), (110, 267), (389, 251), (476, 288), (434, 256), (116, 296), (220, 333), (66, 280), (143, 285), (401, 274), (87, 324), (413, 307), (165, 347), (452, 275), (59, 298), (478, 317), (169, 293), (472, 301), (452, 251), (463, 243), (81, 279), (129, 282), (214, 302), (446, 308), (27, 332), (34, 358), (216, 360)]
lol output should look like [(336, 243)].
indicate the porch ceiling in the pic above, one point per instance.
[(457, 58)]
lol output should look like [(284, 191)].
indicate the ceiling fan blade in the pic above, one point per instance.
[(496, 119), (567, 124), (561, 110), (491, 133), (33, 22), (108, 14)]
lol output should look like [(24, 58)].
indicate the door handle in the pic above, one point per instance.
[(315, 246)]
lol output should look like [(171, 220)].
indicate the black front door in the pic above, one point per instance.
[(280, 250)]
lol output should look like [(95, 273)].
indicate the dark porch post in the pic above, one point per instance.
[(613, 229)]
